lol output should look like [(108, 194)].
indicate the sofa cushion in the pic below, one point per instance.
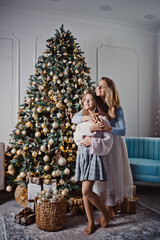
[(144, 166)]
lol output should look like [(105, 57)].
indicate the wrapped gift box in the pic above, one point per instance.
[(77, 206), (36, 185), (25, 217), (128, 206)]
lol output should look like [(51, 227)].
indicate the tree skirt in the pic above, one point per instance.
[(144, 225)]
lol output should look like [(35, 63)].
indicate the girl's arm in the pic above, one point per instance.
[(77, 118)]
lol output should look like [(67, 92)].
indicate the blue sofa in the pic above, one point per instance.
[(144, 157)]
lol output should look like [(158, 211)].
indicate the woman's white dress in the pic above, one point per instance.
[(120, 182)]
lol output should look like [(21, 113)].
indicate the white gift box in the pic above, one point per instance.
[(37, 188)]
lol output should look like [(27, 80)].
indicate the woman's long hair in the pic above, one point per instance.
[(97, 104), (112, 98)]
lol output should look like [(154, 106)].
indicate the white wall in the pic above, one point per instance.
[(22, 37)]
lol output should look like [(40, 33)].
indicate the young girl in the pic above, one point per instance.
[(90, 166)]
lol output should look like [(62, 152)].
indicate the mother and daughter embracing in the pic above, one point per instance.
[(102, 160)]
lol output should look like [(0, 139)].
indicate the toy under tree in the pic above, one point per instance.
[(42, 142)]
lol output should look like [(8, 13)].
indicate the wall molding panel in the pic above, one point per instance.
[(122, 66), (10, 87)]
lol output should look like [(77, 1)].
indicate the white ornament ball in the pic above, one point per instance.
[(61, 181), (52, 130), (73, 180), (46, 168), (45, 130), (46, 158), (66, 171), (39, 109), (8, 188), (67, 124), (24, 132), (13, 151), (62, 161), (22, 174), (55, 125), (59, 115), (54, 174), (58, 172), (43, 148), (51, 141)]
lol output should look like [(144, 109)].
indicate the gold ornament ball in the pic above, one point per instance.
[(10, 167), (43, 125), (25, 148), (45, 130), (11, 172), (19, 152), (46, 168), (73, 145), (28, 124), (18, 131), (8, 188), (37, 134), (34, 154), (24, 132), (54, 174)]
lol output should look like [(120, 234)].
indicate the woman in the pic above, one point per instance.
[(120, 182)]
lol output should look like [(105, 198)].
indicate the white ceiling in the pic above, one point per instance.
[(126, 11)]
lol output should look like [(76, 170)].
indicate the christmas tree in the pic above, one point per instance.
[(42, 142)]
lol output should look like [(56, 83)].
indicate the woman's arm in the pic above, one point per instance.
[(120, 129), (78, 118)]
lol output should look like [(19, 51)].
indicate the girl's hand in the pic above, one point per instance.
[(87, 141)]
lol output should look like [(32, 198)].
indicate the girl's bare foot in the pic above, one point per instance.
[(104, 221), (89, 229)]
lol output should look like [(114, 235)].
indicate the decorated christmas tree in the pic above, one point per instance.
[(42, 142)]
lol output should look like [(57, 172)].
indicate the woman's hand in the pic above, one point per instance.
[(87, 141), (90, 118), (100, 125)]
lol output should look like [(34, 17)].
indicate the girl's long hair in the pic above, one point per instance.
[(112, 98), (97, 104)]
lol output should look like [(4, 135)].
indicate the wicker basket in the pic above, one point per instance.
[(51, 216)]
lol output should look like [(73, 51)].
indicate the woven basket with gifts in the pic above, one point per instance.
[(50, 210)]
